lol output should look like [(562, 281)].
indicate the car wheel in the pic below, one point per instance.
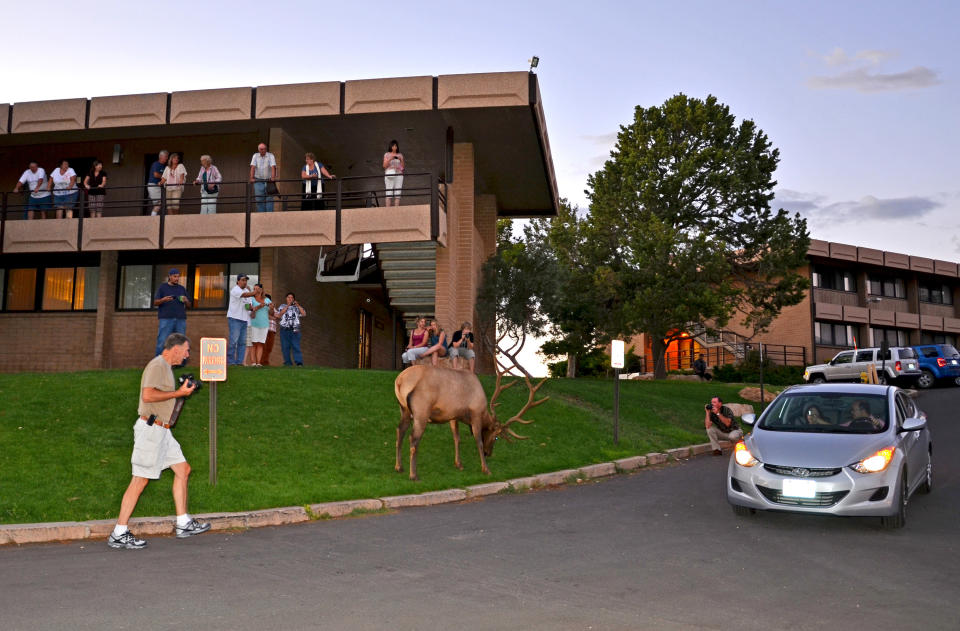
[(927, 485), (820, 379), (956, 381), (742, 511), (899, 518), (925, 380)]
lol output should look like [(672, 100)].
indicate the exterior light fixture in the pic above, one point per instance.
[(533, 61)]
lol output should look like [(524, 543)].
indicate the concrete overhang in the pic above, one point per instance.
[(347, 124)]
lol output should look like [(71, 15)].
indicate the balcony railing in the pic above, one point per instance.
[(339, 206)]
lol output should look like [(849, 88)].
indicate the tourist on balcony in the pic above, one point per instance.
[(393, 166), (238, 317), (419, 342), (263, 173), (209, 179), (174, 177), (289, 315), (461, 345), (312, 175), (153, 180), (437, 343), (95, 183), (171, 301), (63, 183), (35, 179), (259, 323)]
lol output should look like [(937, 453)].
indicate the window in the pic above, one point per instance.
[(938, 338), (843, 358), (70, 288), (207, 283), (894, 337), (864, 356), (936, 294), (21, 292), (830, 278), (833, 334), (888, 286)]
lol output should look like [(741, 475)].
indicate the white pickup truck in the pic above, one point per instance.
[(901, 366)]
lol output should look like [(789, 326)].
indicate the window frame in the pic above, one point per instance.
[(40, 266)]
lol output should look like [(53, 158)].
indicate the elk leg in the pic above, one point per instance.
[(456, 444), (405, 418), (415, 434), (478, 436)]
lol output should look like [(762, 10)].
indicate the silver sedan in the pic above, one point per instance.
[(835, 449)]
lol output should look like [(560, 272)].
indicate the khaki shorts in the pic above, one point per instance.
[(154, 449), (466, 353)]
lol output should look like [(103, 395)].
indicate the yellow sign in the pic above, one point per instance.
[(213, 359)]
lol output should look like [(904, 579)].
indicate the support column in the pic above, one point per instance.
[(105, 310)]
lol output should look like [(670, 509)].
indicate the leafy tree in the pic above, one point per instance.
[(566, 294), (681, 228)]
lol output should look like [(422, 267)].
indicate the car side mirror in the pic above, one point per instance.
[(749, 418), (912, 424), (833, 361)]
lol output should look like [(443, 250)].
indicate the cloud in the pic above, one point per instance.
[(839, 57), (602, 140), (863, 80), (868, 208)]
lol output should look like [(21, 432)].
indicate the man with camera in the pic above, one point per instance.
[(171, 301), (154, 447), (720, 424), (461, 345)]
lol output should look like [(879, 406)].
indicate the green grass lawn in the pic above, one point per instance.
[(297, 436)]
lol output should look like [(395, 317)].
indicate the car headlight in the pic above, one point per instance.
[(875, 463), (743, 456), (806, 375)]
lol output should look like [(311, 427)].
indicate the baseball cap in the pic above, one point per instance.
[(242, 276), (173, 270)]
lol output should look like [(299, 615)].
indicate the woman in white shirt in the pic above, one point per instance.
[(63, 183), (209, 178), (393, 166), (174, 177)]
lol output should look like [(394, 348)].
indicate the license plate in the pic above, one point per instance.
[(953, 361), (909, 366), (800, 488)]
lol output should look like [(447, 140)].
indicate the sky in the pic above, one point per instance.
[(861, 98)]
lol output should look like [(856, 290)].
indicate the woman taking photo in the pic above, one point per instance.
[(393, 166), (174, 177), (312, 175), (95, 183)]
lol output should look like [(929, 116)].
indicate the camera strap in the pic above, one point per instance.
[(177, 407)]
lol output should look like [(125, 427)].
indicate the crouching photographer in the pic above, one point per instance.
[(154, 447), (720, 424)]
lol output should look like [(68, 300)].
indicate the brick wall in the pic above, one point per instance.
[(47, 341)]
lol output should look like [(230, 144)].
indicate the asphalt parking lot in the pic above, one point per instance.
[(657, 549)]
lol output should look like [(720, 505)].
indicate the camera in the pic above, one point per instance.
[(708, 407), (190, 380)]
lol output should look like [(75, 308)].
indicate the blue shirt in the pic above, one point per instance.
[(156, 167), (173, 309), (261, 320)]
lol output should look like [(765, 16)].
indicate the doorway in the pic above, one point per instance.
[(364, 353)]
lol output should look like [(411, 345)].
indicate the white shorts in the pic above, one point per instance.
[(258, 335), (393, 182), (154, 449), (153, 190)]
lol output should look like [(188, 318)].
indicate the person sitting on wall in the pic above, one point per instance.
[(720, 424), (461, 345), (419, 342), (700, 369), (437, 343)]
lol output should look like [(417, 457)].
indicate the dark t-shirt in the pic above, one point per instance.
[(173, 309), (156, 167), (719, 424), (95, 182)]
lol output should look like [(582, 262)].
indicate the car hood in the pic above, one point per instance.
[(815, 451), (817, 367)]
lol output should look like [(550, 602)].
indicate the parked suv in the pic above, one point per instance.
[(938, 362), (900, 365)]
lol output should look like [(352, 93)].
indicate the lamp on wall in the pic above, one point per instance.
[(534, 62), (117, 153)]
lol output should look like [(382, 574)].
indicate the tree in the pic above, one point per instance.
[(566, 295), (681, 229)]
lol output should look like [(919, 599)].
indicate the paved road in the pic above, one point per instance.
[(657, 549)]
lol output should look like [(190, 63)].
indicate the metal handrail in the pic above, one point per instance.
[(239, 196)]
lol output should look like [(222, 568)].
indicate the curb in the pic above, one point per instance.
[(19, 534)]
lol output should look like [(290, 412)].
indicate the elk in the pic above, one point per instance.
[(433, 394)]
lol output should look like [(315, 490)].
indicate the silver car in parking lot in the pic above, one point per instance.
[(836, 449)]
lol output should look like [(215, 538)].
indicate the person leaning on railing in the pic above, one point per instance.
[(209, 178), (153, 180), (35, 178), (63, 183), (312, 175)]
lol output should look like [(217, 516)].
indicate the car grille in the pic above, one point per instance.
[(794, 472), (821, 500)]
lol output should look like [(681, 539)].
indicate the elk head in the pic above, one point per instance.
[(494, 429)]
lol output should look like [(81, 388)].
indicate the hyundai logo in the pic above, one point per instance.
[(800, 472)]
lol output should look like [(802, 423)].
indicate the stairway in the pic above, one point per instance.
[(410, 274), (732, 342)]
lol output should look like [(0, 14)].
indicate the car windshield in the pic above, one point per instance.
[(827, 412)]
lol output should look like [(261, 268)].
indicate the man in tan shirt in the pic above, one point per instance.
[(154, 447)]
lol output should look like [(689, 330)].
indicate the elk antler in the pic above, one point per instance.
[(532, 401)]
